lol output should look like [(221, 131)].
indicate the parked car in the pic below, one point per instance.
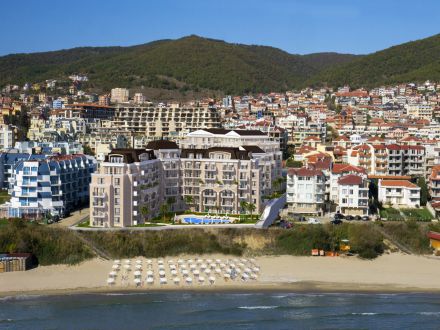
[(365, 218), (313, 221), (336, 221), (349, 217), (339, 215), (358, 217)]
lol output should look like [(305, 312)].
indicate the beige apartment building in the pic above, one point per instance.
[(164, 121), (119, 95), (126, 190), (217, 179)]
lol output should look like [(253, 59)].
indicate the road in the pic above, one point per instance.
[(74, 219)]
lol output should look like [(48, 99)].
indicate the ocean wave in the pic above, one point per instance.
[(6, 320), (365, 314), (21, 297), (429, 313), (258, 307)]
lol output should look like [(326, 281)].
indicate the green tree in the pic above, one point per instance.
[(251, 208), (164, 208), (423, 191), (145, 210), (243, 206), (87, 150)]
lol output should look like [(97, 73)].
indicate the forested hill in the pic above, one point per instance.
[(412, 61), (187, 63)]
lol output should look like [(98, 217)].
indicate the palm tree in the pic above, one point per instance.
[(189, 200), (251, 207), (164, 210), (243, 206), (145, 211)]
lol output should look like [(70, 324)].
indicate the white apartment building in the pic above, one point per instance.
[(7, 137), (126, 189), (338, 171), (353, 195), (119, 95), (400, 193), (305, 191)]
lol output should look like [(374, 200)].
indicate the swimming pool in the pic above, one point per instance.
[(198, 221)]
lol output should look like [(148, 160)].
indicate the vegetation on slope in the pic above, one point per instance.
[(413, 61), (189, 63)]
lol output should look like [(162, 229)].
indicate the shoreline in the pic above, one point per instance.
[(391, 273), (299, 287)]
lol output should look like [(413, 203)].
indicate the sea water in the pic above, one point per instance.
[(184, 310)]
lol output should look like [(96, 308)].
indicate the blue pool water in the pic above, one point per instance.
[(197, 221)]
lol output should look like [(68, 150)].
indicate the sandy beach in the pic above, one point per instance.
[(388, 273)]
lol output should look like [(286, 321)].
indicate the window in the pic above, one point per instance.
[(117, 211), (117, 191), (117, 201), (117, 181), (100, 180)]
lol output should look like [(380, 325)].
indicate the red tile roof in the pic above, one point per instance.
[(350, 179), (397, 183), (304, 172)]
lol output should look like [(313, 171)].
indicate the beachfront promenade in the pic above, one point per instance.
[(165, 227)]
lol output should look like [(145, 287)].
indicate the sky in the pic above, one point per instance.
[(296, 26)]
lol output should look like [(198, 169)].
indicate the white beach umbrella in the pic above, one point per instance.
[(127, 261), (254, 276), (256, 269), (244, 277), (110, 280), (226, 275), (137, 281), (163, 280), (241, 265), (238, 270), (161, 273), (248, 270), (137, 273), (161, 267), (218, 261), (139, 262), (252, 260), (244, 260), (149, 261), (173, 272), (212, 265), (150, 273), (192, 266), (190, 261), (183, 266), (138, 266), (228, 270), (196, 272), (172, 266), (185, 272), (113, 273), (203, 266), (127, 267), (222, 265), (150, 280), (218, 270), (232, 265), (208, 261), (115, 267), (176, 280), (189, 280), (201, 279), (207, 271), (117, 262), (235, 260), (212, 279), (180, 262), (171, 261)]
